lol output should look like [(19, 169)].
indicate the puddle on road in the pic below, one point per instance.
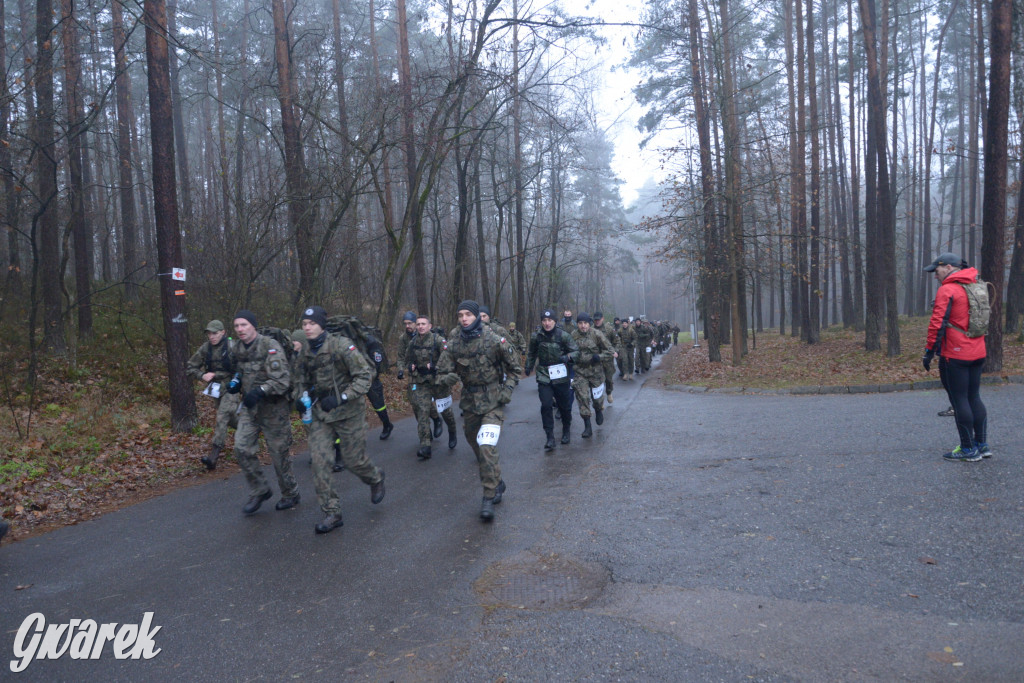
[(532, 581)]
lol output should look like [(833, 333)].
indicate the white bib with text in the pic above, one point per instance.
[(557, 371), (488, 435), (443, 404)]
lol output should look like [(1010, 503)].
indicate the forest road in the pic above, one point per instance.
[(694, 538)]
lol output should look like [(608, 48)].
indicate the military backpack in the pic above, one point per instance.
[(367, 339), (282, 337)]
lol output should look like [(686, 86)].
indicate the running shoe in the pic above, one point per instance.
[(959, 454)]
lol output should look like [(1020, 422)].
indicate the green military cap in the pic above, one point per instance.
[(215, 326), (299, 336)]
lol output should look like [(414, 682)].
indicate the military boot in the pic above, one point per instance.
[(387, 424), (453, 440), (598, 415), (487, 509), (565, 432), (437, 427), (210, 459), (550, 444), (329, 523), (587, 431), (423, 453), (609, 397)]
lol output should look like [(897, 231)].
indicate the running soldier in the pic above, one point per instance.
[(489, 370), (594, 351), (609, 365), (551, 351), (214, 364), (425, 389)]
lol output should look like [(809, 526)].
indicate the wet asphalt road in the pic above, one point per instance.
[(694, 538)]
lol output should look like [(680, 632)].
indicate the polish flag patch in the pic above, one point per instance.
[(271, 351), (352, 348)]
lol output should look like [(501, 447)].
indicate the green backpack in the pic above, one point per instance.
[(979, 308), (366, 338)]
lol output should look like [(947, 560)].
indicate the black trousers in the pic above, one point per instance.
[(962, 379), (550, 394), (376, 394)]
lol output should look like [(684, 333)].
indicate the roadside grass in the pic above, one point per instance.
[(777, 362), (94, 433)]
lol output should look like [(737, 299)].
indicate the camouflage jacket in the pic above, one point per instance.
[(517, 338), (627, 336), (403, 346), (337, 367), (548, 348), (218, 359), (263, 364), (610, 332), (424, 351), (644, 335), (487, 365), (590, 343)]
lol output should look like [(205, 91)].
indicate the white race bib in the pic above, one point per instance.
[(557, 371), (648, 349), (488, 435), (443, 404), (597, 392), (212, 390)]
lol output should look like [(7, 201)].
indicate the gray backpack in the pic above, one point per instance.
[(979, 308)]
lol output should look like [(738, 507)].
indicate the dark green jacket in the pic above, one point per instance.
[(548, 348)]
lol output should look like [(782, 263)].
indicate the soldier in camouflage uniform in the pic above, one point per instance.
[(517, 339), (409, 320), (213, 363), (627, 338), (594, 351), (334, 372), (552, 351), (425, 389), (609, 365), (265, 388), (644, 340), (489, 370)]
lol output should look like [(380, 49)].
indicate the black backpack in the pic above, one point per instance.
[(367, 339)]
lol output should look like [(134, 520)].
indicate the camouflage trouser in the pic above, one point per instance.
[(227, 416), (609, 376), (582, 386), (627, 360), (486, 456), (423, 406), (351, 431), (643, 360), (271, 418)]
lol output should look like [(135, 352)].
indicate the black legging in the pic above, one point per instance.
[(962, 379)]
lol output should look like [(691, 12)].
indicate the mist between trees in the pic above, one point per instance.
[(374, 157)]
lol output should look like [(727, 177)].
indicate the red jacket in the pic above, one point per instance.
[(952, 297)]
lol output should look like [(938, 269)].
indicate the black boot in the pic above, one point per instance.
[(550, 444), (487, 509), (210, 459), (453, 440), (377, 490), (329, 523), (499, 492), (598, 415), (437, 427), (565, 433), (386, 422), (587, 431), (423, 453), (339, 464), (254, 503)]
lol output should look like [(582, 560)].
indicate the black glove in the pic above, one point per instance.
[(527, 371), (595, 359), (252, 397), (401, 374), (235, 385), (330, 402), (565, 359), (926, 360)]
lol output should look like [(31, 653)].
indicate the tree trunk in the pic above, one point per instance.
[(993, 248), (1015, 280), (180, 140), (11, 204), (294, 164), (122, 90), (815, 298), (76, 132), (165, 200)]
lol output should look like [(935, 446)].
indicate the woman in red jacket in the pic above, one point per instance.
[(960, 357)]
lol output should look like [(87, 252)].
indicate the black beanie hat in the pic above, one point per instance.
[(548, 313), (486, 309), (317, 314), (584, 318), (246, 314), (409, 315), (471, 306), (598, 315)]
